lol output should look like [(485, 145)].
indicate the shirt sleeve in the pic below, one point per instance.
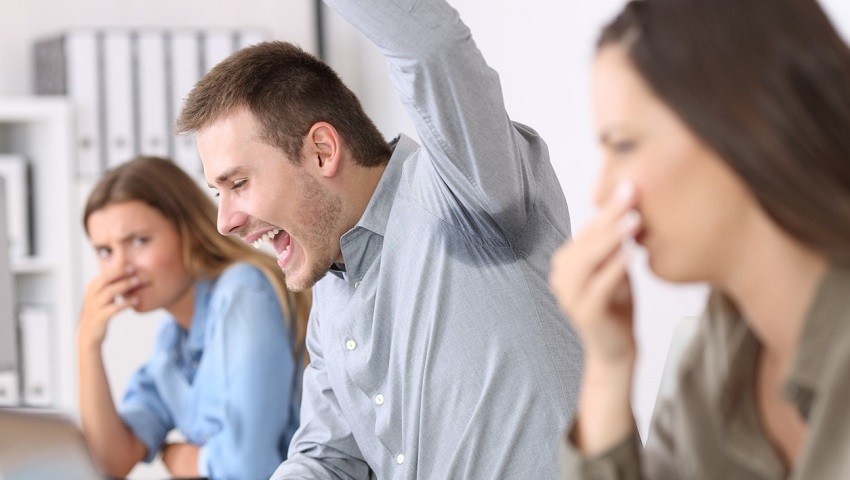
[(324, 446), (254, 353), (455, 102), (144, 411), (621, 462)]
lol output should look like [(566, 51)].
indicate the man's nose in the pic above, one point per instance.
[(229, 221)]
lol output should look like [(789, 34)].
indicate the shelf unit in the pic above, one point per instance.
[(41, 129)]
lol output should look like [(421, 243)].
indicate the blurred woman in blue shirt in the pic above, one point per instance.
[(226, 367)]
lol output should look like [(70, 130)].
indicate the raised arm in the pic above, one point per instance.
[(323, 447), (252, 354), (455, 102)]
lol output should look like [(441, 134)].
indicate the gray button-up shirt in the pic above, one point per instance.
[(711, 428), (439, 353)]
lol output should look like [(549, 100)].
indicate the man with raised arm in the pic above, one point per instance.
[(436, 348)]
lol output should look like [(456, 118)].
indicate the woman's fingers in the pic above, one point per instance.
[(576, 264), (590, 278), (116, 289), (616, 221), (105, 297), (110, 276), (603, 285)]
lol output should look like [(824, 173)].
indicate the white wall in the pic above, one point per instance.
[(543, 50)]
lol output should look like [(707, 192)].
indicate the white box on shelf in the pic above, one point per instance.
[(9, 389), (14, 169), (8, 343), (35, 324)]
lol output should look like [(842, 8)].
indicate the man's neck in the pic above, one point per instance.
[(358, 189)]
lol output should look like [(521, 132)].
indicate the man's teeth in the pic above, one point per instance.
[(267, 237)]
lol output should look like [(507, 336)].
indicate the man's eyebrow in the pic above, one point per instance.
[(227, 174)]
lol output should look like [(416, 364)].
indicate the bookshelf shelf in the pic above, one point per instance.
[(32, 266), (40, 129)]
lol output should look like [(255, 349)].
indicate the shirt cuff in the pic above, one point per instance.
[(146, 427), (620, 462), (203, 461)]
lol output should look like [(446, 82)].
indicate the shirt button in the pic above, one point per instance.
[(399, 458), (379, 399), (350, 344), (357, 284)]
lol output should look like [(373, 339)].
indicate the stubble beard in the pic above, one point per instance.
[(321, 213)]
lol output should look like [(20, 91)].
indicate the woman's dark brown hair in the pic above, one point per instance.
[(766, 85), (162, 185)]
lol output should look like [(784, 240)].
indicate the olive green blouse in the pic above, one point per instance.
[(710, 427)]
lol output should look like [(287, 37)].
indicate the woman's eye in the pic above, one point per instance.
[(139, 241), (103, 253), (239, 184), (623, 147)]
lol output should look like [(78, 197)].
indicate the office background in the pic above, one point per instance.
[(542, 49)]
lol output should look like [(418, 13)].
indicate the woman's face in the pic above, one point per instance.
[(133, 234), (696, 211)]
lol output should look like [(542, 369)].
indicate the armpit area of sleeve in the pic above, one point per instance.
[(147, 428), (620, 462)]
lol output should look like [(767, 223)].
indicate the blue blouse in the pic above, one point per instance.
[(230, 384)]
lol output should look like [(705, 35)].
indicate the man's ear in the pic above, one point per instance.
[(323, 149)]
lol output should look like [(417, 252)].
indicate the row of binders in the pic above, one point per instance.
[(128, 86)]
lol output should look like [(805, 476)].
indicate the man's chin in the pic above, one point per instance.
[(301, 281), (297, 287)]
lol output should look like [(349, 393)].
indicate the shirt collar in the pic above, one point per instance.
[(362, 244), (737, 351), (826, 323), (822, 332), (378, 209)]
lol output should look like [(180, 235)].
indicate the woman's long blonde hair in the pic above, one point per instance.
[(162, 185)]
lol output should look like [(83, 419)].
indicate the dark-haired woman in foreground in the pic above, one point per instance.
[(725, 126)]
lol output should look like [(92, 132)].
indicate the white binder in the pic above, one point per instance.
[(185, 71), (8, 345), (9, 393), (34, 322), (119, 92), (13, 169), (218, 45), (83, 87), (154, 128), (248, 37)]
